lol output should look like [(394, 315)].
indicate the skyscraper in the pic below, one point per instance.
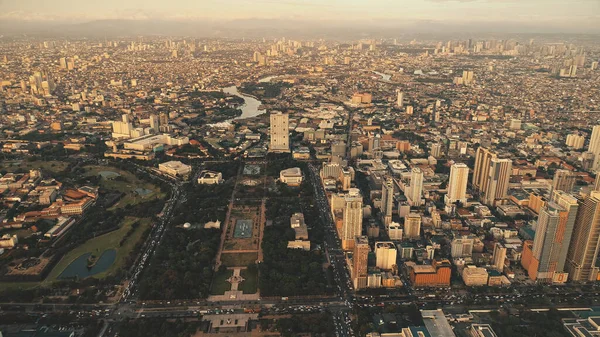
[(597, 182), (499, 256), (595, 147), (483, 158), (457, 186), (385, 255), (552, 238), (412, 226), (498, 179), (387, 200), (585, 242), (352, 218), (564, 180), (360, 260), (163, 119), (154, 123), (280, 132), (400, 98), (415, 189)]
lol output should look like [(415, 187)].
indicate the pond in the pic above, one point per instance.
[(108, 174), (142, 192), (79, 267)]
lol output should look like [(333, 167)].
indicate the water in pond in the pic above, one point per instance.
[(142, 191), (79, 267), (108, 174)]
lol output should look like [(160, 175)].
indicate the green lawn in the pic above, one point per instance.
[(250, 284), (238, 259), (126, 184), (101, 243), (220, 284)]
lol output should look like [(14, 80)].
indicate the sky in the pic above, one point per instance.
[(581, 15)]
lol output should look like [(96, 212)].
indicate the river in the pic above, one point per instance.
[(251, 105), (267, 79), (384, 77)]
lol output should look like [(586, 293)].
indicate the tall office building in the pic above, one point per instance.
[(352, 218), (585, 242), (462, 247), (280, 132), (496, 187), (595, 147), (457, 186), (385, 255), (483, 158), (163, 119), (597, 182), (387, 200), (499, 256), (415, 189), (546, 261), (412, 226), (564, 180), (360, 260), (154, 123), (400, 98)]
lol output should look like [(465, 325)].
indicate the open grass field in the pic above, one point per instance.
[(52, 165), (101, 243), (220, 284), (238, 259), (127, 183), (250, 284)]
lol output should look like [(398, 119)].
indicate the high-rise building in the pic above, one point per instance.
[(496, 187), (415, 189), (457, 186), (360, 260), (400, 98), (499, 256), (163, 119), (467, 77), (387, 200), (436, 150), (385, 255), (462, 247), (564, 180), (585, 242), (575, 141), (412, 226), (280, 132), (594, 147), (352, 218), (154, 123), (483, 158), (546, 260), (597, 182)]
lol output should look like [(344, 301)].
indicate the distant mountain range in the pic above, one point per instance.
[(271, 28)]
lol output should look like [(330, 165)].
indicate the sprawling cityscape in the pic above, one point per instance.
[(278, 186)]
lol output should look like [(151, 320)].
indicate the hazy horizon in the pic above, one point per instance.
[(527, 16)]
